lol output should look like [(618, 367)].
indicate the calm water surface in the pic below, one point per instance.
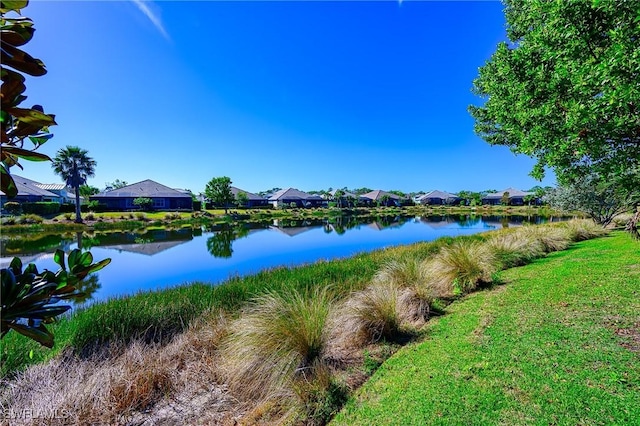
[(163, 258)]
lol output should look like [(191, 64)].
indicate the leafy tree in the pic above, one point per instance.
[(87, 190), (470, 198), (602, 198), (116, 184), (565, 89), (504, 200), (74, 166), (18, 123), (269, 192), (144, 203), (218, 191), (242, 199)]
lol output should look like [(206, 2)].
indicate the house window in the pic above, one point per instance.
[(158, 203)]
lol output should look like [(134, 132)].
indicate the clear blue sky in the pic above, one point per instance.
[(272, 94)]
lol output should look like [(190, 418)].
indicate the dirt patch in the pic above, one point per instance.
[(631, 337)]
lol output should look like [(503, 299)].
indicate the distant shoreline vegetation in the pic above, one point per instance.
[(31, 223)]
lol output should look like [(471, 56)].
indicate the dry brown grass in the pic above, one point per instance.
[(126, 385), (514, 249)]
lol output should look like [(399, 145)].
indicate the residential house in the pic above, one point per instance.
[(438, 198), (289, 196), (253, 200), (163, 197), (30, 191), (347, 197), (515, 197), (382, 197)]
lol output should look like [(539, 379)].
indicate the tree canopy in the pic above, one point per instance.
[(565, 89), (74, 166), (218, 191)]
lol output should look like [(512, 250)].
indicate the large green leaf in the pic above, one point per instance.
[(7, 185), (21, 61), (40, 139), (58, 257), (40, 334), (32, 116), (24, 153), (12, 5), (17, 34)]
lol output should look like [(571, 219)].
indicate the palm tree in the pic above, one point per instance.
[(74, 166)]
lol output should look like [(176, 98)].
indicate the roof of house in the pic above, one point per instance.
[(52, 186), (437, 194), (146, 188), (250, 196), (512, 193), (292, 194), (378, 194), (28, 187)]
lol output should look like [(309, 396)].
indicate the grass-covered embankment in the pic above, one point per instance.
[(554, 345), (159, 315)]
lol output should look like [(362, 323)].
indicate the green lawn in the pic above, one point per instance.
[(550, 347)]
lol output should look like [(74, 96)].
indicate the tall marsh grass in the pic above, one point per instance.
[(460, 267), (278, 339)]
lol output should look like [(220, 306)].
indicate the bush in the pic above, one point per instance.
[(89, 216), (197, 206), (67, 208), (172, 216), (12, 207), (41, 208), (514, 249), (29, 219), (144, 203), (141, 216)]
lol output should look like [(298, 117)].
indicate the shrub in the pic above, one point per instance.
[(460, 267), (41, 208), (172, 216), (12, 207), (29, 219), (197, 206), (68, 208), (89, 216), (279, 338), (144, 203), (141, 216)]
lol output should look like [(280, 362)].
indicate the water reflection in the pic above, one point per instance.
[(157, 258)]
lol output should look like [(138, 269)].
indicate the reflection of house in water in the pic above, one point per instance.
[(437, 222), (387, 222), (149, 243)]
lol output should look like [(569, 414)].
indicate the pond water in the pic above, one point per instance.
[(155, 259)]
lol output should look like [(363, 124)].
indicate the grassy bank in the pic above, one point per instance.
[(552, 346), (286, 345)]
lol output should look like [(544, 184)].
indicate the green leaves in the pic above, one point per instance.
[(565, 90), (30, 299)]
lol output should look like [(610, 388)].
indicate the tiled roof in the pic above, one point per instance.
[(30, 187), (250, 196), (378, 194), (512, 193), (146, 188), (437, 194), (293, 194)]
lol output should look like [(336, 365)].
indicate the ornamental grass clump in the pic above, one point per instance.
[(584, 229), (368, 316), (279, 338), (514, 249), (461, 267), (552, 237)]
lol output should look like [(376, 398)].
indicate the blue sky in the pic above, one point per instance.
[(272, 94)]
